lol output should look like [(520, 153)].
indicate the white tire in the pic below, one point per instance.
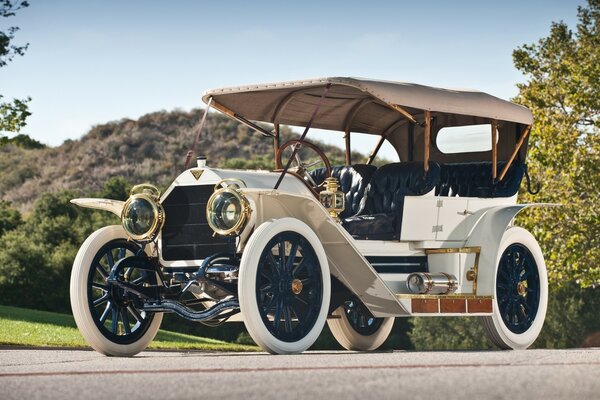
[(366, 335), (268, 286), (520, 292), (87, 316)]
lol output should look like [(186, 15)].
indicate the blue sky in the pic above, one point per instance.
[(90, 62)]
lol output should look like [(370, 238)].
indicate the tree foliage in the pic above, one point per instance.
[(21, 140), (12, 113), (9, 217), (563, 91), (36, 253)]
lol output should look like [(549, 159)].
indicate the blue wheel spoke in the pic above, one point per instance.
[(100, 286), (306, 281), (274, 263), (296, 313), (266, 288), (277, 317), (281, 248), (287, 318), (508, 304), (301, 300), (267, 307), (513, 309), (298, 268), (138, 317), (115, 320), (125, 320), (110, 259), (101, 300), (102, 271), (292, 257), (107, 310), (265, 275)]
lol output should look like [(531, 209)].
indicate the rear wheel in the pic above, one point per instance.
[(521, 292), (284, 286), (355, 328), (108, 318)]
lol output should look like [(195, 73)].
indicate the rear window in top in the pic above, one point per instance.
[(465, 139)]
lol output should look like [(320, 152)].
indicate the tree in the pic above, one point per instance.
[(9, 217), (12, 113), (563, 91)]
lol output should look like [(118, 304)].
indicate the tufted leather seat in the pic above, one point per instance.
[(475, 180), (380, 214), (353, 182)]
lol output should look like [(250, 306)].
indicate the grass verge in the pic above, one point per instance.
[(26, 327)]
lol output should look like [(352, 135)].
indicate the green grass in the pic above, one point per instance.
[(25, 327)]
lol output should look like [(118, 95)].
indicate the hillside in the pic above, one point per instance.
[(150, 149)]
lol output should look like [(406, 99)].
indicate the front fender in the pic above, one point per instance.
[(346, 262), (487, 234), (113, 206)]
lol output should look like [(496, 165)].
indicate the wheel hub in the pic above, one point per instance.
[(521, 288), (117, 296), (297, 286)]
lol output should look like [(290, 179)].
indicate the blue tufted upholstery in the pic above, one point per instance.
[(353, 182), (475, 180), (380, 214)]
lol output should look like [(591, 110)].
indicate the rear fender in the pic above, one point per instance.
[(487, 234)]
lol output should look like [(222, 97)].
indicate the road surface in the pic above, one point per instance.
[(84, 374)]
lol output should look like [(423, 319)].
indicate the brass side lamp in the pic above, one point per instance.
[(332, 198)]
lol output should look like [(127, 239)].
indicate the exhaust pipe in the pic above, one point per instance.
[(431, 283)]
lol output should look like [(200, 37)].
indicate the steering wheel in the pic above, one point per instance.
[(300, 167)]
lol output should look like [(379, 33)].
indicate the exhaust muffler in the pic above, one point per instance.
[(431, 283)]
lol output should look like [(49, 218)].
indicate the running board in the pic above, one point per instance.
[(455, 304)]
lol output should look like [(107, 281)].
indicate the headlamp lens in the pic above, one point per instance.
[(139, 217), (226, 211)]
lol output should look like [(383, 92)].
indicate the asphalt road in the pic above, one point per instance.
[(531, 374)]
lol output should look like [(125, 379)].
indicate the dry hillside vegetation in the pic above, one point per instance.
[(151, 149)]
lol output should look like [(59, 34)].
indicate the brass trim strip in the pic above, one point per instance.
[(443, 296), (476, 272), (475, 249)]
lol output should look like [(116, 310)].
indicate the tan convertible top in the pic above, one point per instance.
[(359, 105)]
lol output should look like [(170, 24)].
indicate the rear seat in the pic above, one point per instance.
[(353, 182), (475, 180), (380, 214)]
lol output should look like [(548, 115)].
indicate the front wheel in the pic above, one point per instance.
[(107, 318), (355, 328), (284, 286), (521, 292)]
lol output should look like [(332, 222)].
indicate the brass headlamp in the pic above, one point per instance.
[(228, 210), (143, 215)]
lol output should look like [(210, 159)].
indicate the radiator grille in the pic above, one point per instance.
[(186, 234)]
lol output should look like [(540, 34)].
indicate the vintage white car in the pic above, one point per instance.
[(352, 245)]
